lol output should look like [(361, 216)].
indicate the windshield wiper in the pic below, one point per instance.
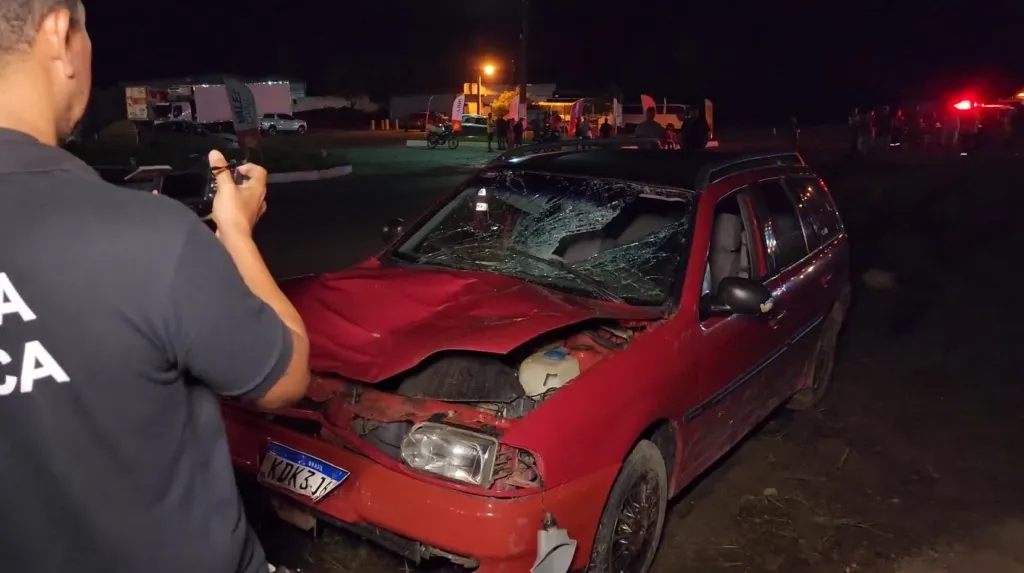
[(595, 285)]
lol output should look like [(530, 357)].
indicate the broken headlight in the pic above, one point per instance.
[(451, 453)]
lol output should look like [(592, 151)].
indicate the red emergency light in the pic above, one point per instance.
[(964, 105)]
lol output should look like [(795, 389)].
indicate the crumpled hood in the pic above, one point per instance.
[(369, 324)]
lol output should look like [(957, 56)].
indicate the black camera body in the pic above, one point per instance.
[(195, 188)]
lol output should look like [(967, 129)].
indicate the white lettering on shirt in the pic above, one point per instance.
[(36, 362), (11, 302)]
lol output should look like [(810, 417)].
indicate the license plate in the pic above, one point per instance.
[(300, 473)]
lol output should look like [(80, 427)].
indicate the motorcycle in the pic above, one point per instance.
[(547, 134), (441, 135)]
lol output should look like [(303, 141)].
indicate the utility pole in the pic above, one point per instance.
[(523, 54)]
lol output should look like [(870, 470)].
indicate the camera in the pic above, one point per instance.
[(195, 188)]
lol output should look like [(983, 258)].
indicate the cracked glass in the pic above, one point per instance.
[(603, 238)]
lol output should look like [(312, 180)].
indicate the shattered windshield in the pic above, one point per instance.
[(601, 238)]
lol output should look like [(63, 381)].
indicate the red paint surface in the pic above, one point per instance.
[(370, 324), (500, 533)]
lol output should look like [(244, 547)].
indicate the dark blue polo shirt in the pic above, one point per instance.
[(122, 318)]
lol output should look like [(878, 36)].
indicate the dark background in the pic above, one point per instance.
[(759, 61)]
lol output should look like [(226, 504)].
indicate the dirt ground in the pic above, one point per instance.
[(914, 462)]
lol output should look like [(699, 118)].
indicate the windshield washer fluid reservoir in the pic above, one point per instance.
[(547, 369)]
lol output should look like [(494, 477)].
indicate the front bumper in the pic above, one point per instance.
[(420, 518)]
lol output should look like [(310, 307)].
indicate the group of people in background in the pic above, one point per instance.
[(506, 131), (876, 130), (924, 128), (694, 132)]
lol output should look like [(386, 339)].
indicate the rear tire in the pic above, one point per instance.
[(431, 142), (629, 532), (453, 143), (824, 361)]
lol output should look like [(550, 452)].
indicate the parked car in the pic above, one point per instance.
[(566, 340), (188, 133), (474, 125), (272, 123), (420, 121)]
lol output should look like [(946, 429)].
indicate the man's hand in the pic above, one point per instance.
[(236, 208)]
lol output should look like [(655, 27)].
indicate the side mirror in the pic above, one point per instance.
[(392, 230), (738, 295)]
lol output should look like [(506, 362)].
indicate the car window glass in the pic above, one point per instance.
[(268, 116), (802, 199), (781, 226), (822, 212), (284, 116)]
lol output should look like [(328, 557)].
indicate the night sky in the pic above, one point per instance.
[(756, 60)]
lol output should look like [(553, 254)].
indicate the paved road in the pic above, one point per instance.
[(327, 225), (912, 465)]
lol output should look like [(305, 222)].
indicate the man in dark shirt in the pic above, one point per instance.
[(502, 126), (649, 127), (122, 317)]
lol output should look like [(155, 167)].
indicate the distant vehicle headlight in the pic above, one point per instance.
[(452, 453)]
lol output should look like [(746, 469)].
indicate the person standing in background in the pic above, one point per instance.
[(490, 131), (883, 128), (517, 132), (649, 127), (502, 132)]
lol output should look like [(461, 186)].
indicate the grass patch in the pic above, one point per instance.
[(275, 158)]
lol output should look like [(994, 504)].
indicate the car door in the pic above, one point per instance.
[(474, 126), (737, 353), (288, 122), (795, 280)]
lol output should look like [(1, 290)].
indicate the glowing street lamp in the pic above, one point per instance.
[(488, 70)]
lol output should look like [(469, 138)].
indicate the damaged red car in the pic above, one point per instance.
[(529, 372)]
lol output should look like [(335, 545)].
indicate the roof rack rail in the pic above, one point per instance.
[(568, 145), (718, 171)]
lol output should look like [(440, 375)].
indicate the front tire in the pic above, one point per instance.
[(629, 532), (272, 130)]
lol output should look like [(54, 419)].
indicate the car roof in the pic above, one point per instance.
[(693, 170)]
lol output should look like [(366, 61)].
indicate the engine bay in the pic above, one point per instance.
[(511, 386)]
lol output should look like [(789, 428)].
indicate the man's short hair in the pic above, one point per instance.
[(19, 20)]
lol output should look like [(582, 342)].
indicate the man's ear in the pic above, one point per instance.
[(53, 40)]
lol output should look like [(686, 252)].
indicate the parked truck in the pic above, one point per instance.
[(202, 103)]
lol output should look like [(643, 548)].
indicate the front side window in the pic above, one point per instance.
[(600, 238)]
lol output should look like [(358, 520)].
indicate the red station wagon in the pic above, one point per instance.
[(563, 343)]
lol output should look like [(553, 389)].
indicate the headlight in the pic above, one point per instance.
[(451, 453)]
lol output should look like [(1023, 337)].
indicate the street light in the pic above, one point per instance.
[(488, 70)]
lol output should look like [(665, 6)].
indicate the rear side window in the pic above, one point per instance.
[(780, 224), (819, 208)]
